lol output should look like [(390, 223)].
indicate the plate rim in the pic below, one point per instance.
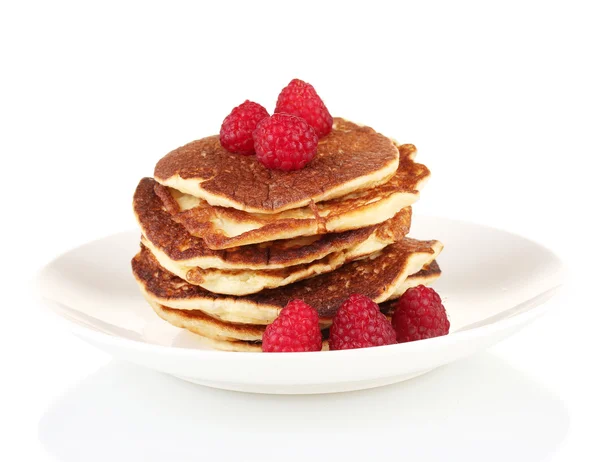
[(536, 310)]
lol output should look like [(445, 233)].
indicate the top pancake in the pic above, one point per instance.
[(225, 227), (351, 158)]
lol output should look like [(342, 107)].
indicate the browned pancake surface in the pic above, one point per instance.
[(208, 326), (257, 330), (325, 292), (175, 241), (348, 152), (199, 221)]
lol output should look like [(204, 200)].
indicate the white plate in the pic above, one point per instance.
[(493, 283)]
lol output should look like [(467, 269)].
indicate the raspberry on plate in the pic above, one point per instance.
[(300, 99), (419, 315), (295, 329), (285, 142), (360, 324), (237, 128)]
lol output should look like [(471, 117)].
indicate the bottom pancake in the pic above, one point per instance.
[(230, 345), (230, 336), (213, 333)]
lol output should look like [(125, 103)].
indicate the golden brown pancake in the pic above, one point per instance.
[(348, 159), (210, 327), (173, 242), (200, 323), (378, 278), (223, 227), (245, 282)]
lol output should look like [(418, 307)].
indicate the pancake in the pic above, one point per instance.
[(378, 278), (236, 345), (349, 159), (202, 324), (179, 251), (223, 227), (245, 282)]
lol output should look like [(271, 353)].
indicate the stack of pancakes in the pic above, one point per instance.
[(227, 243)]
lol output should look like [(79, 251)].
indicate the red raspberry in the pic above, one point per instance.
[(300, 99), (237, 128), (285, 142), (359, 324), (295, 329), (419, 315)]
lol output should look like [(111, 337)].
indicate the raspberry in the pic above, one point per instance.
[(295, 329), (285, 142), (300, 99), (359, 324), (419, 315), (237, 128)]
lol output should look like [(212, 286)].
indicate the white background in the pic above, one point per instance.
[(502, 101)]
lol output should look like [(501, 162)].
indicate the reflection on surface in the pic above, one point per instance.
[(480, 407)]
